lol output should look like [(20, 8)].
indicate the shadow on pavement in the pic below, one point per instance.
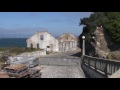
[(76, 54)]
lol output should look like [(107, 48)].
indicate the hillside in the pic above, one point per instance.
[(108, 40)]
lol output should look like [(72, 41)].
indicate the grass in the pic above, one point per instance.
[(19, 50), (12, 51)]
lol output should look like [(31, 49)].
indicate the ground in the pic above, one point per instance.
[(61, 65)]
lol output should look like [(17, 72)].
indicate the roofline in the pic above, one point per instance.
[(39, 32), (36, 33), (68, 33)]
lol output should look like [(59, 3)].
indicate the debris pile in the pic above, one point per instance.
[(19, 71), (29, 61), (34, 73), (4, 74)]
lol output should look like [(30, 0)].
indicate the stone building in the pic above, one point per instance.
[(44, 40), (67, 42)]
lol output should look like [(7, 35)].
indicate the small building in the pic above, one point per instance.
[(43, 40), (67, 42)]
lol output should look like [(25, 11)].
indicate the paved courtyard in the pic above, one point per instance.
[(61, 65)]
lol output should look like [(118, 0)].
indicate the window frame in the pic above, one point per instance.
[(41, 37)]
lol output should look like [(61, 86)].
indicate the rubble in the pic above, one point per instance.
[(34, 73), (17, 70), (29, 61), (3, 74), (20, 67), (20, 71)]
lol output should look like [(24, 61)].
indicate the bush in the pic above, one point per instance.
[(110, 57), (114, 55)]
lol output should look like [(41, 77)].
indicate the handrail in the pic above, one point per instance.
[(105, 67)]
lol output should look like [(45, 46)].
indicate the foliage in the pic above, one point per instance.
[(109, 20), (18, 50)]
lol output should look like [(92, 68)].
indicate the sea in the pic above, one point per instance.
[(13, 42)]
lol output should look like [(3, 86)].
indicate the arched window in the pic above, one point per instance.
[(41, 37)]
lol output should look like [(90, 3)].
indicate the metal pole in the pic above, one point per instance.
[(83, 46)]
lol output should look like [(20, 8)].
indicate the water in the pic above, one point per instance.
[(13, 42)]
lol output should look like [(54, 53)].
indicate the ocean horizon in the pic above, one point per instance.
[(13, 42)]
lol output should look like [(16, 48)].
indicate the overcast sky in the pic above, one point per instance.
[(24, 24)]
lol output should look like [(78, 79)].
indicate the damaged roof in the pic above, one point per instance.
[(67, 37)]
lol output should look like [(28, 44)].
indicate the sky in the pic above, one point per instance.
[(24, 24)]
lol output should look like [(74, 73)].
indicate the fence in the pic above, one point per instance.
[(99, 68)]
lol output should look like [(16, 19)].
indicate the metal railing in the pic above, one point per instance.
[(103, 67)]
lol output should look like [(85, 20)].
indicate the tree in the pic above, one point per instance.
[(109, 20)]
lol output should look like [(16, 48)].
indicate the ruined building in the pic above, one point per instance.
[(44, 40), (67, 42)]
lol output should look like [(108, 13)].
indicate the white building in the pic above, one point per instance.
[(67, 42), (43, 40)]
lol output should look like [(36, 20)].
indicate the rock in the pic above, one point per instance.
[(98, 45)]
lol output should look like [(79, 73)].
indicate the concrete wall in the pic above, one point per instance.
[(33, 54), (48, 40), (91, 73), (94, 67)]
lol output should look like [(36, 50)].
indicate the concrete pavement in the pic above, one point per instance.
[(61, 65)]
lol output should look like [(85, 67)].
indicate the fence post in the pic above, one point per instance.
[(106, 64), (95, 65), (89, 62)]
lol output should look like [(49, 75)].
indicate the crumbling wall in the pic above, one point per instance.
[(33, 54)]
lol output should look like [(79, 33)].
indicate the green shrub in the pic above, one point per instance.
[(110, 57)]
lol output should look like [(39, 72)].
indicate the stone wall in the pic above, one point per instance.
[(33, 54)]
